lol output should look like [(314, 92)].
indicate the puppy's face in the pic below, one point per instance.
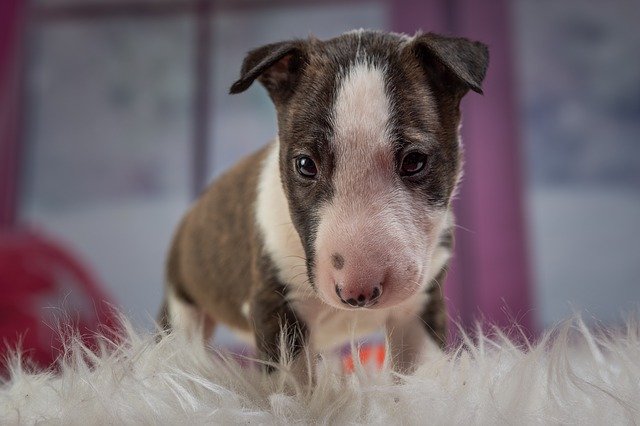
[(369, 154)]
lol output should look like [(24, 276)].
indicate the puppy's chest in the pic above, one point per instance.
[(329, 327)]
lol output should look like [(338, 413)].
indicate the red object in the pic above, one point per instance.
[(368, 354), (43, 285)]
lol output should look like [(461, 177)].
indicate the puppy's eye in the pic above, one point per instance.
[(413, 163), (306, 167)]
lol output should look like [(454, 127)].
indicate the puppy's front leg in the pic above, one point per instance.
[(280, 336), (413, 338), (409, 344)]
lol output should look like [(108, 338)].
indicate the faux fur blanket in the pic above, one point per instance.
[(571, 376)]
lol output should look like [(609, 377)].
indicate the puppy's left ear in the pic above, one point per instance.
[(455, 63), (277, 66)]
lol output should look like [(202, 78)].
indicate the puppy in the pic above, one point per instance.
[(342, 225)]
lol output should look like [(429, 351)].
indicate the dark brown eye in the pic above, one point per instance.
[(412, 163), (306, 167)]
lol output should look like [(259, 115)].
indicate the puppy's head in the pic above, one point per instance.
[(369, 153)]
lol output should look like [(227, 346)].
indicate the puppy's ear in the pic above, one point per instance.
[(277, 66), (455, 63)]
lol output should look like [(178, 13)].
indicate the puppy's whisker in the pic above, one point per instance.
[(299, 275), (294, 256)]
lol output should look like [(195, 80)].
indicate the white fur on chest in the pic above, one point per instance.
[(330, 327)]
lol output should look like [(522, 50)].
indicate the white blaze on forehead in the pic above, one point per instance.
[(361, 109), (383, 231)]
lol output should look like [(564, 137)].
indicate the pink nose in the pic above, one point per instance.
[(359, 298)]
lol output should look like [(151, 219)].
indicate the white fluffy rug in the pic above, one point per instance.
[(572, 376)]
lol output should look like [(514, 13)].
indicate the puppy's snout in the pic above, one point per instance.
[(359, 298), (361, 264)]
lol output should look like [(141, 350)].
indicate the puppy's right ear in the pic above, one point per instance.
[(458, 64), (277, 66)]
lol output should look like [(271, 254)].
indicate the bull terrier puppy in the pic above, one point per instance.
[(342, 225)]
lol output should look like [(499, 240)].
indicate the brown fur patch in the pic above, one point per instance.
[(211, 261), (217, 263)]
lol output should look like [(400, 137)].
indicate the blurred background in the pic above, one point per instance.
[(114, 114)]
